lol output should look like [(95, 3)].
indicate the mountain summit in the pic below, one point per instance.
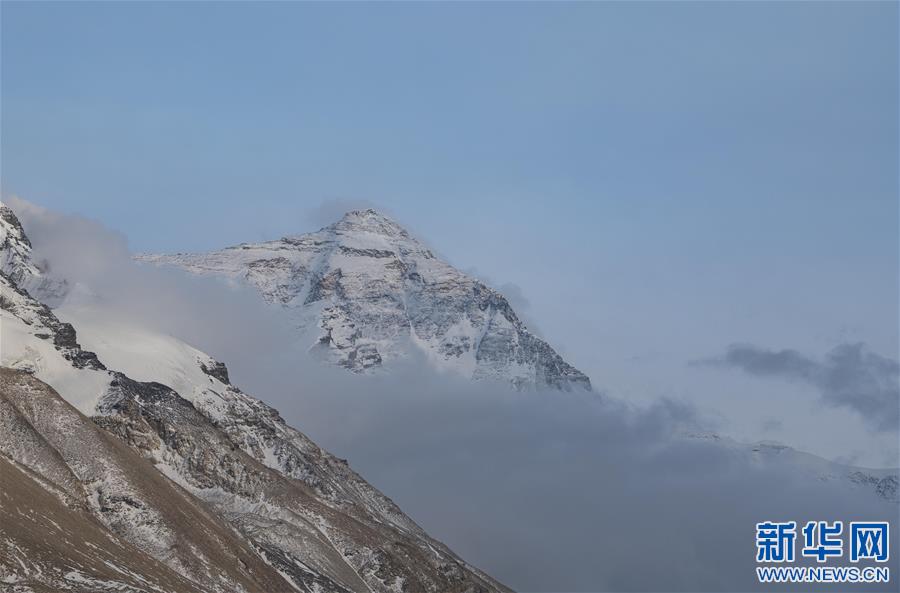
[(371, 293)]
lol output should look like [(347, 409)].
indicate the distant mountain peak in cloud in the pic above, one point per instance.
[(372, 293)]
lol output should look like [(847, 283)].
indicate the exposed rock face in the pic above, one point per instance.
[(194, 485), (372, 291), (15, 248), (216, 370), (884, 485), (17, 263), (46, 325)]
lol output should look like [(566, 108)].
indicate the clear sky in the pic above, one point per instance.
[(658, 180)]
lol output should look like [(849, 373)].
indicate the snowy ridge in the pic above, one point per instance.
[(883, 482), (371, 291)]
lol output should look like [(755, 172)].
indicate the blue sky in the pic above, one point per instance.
[(659, 180)]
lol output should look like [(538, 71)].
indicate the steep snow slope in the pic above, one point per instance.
[(370, 291), (303, 516)]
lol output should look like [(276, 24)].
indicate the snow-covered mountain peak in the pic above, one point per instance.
[(363, 230), (371, 292), (369, 221)]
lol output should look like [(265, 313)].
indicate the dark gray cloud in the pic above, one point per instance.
[(547, 491), (850, 377)]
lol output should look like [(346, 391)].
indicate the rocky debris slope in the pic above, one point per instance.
[(370, 291), (206, 481), (90, 481), (48, 546)]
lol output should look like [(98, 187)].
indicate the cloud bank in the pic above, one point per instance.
[(849, 377)]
